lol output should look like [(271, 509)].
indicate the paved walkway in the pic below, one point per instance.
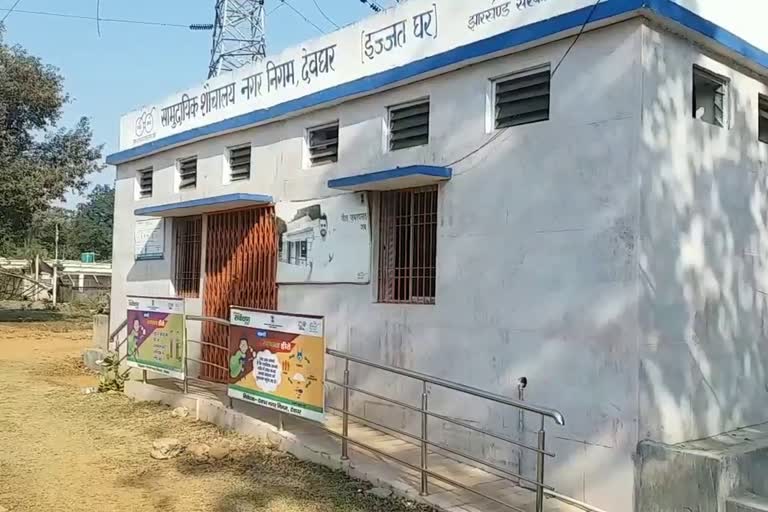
[(308, 440)]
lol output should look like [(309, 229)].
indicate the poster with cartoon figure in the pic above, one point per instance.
[(156, 333), (277, 360)]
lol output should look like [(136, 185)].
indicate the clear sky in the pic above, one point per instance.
[(130, 65)]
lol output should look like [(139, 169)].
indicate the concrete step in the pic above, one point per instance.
[(746, 502), (700, 475)]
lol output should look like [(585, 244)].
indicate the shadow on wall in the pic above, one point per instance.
[(646, 277), (539, 279), (676, 327), (703, 255)]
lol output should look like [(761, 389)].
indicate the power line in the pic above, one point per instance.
[(573, 43), (324, 15), (499, 133), (10, 11), (92, 18), (275, 8), (98, 16), (238, 35), (302, 16), (375, 7)]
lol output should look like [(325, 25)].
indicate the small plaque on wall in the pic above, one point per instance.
[(150, 239)]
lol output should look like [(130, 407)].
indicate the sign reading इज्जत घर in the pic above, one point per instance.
[(149, 239), (277, 360), (324, 240), (156, 335)]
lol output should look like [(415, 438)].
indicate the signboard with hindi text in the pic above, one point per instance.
[(157, 335), (410, 32), (277, 360)]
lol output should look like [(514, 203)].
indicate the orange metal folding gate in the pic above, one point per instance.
[(241, 270)]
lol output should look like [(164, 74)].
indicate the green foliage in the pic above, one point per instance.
[(92, 223), (39, 162)]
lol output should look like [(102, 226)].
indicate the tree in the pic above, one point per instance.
[(39, 162), (92, 224)]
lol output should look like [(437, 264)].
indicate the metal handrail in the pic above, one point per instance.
[(439, 446), (537, 483), (544, 411), (540, 488), (116, 332), (212, 319), (460, 423)]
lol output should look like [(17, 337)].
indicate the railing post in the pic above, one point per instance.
[(144, 376), (522, 383), (424, 434), (345, 415), (540, 468), (186, 377), (186, 361)]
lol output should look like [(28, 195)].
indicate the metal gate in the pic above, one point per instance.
[(241, 270)]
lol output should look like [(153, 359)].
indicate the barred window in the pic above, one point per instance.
[(408, 246), (187, 274)]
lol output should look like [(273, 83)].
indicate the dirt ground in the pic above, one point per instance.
[(62, 450)]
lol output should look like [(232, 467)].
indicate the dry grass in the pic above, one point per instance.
[(63, 450)]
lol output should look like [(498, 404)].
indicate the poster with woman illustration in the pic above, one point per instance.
[(277, 360), (156, 333)]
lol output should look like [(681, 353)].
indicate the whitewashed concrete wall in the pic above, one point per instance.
[(703, 251), (536, 252)]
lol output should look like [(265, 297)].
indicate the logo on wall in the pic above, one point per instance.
[(145, 124)]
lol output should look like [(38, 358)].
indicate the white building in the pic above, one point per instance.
[(608, 242)]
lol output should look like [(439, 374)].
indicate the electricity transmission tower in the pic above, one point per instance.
[(238, 35)]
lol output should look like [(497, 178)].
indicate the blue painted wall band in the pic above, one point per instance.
[(442, 173), (515, 37), (205, 201)]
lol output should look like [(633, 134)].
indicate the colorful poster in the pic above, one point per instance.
[(156, 335), (324, 241), (277, 360)]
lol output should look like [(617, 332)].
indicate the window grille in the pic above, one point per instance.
[(240, 163), (188, 173), (145, 183), (187, 273), (409, 125), (709, 97), (408, 246), (522, 99), (323, 144)]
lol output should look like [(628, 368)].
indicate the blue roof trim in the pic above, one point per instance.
[(206, 201), (691, 20), (515, 37), (474, 50), (391, 174)]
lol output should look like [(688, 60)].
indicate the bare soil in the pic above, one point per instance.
[(62, 450)]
